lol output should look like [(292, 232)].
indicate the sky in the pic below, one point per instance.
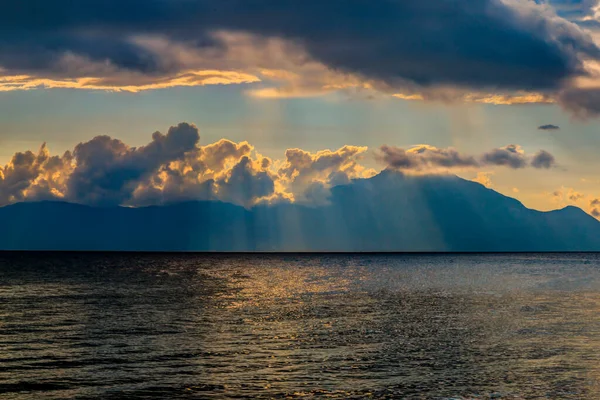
[(262, 101)]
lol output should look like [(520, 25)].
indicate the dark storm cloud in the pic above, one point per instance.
[(474, 44), (548, 127)]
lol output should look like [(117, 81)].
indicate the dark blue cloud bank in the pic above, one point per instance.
[(474, 44)]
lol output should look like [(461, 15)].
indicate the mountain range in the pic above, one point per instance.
[(390, 212)]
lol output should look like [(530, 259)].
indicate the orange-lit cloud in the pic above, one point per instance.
[(190, 78), (275, 68), (175, 167), (484, 98), (309, 176), (484, 178), (495, 52)]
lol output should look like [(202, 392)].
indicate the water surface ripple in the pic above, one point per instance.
[(102, 326)]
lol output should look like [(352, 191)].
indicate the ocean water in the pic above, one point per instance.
[(94, 326)]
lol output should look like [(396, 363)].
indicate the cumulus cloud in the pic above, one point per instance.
[(506, 46), (34, 175), (223, 170), (246, 183), (309, 175), (175, 167), (108, 171), (549, 127)]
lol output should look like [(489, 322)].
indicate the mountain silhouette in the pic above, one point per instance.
[(389, 212)]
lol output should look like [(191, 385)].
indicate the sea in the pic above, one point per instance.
[(299, 326)]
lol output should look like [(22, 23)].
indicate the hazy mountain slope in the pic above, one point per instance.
[(460, 215), (389, 212)]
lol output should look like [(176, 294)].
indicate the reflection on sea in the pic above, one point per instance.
[(299, 326)]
